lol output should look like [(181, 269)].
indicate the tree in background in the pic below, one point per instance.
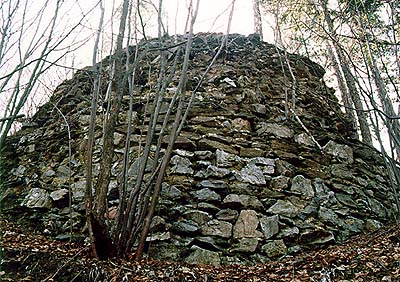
[(29, 48), (357, 41)]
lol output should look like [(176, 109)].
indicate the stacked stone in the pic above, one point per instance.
[(247, 182)]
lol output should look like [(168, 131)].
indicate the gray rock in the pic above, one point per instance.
[(63, 171), (285, 208), (341, 171), (259, 108), (274, 248), (19, 171), (213, 171), (185, 227), (372, 225), (203, 256), (269, 226), (217, 228), (288, 232), (208, 207), (226, 159), (37, 198), (157, 224), (242, 201), (246, 225), (213, 184), (353, 224), (303, 186), (171, 192), (206, 195), (207, 243), (59, 194), (377, 208), (181, 165), (262, 161), (343, 188), (317, 237), (227, 215), (280, 183), (48, 173), (184, 153), (165, 251), (346, 200), (251, 174), (342, 152), (330, 217), (304, 139), (203, 155), (163, 236), (133, 170), (268, 170), (78, 191), (279, 131), (246, 245), (200, 217)]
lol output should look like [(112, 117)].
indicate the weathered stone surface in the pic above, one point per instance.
[(303, 186), (59, 194), (212, 145), (274, 248), (288, 232), (181, 165), (280, 183), (342, 152), (317, 237), (171, 192), (206, 195), (213, 171), (236, 144), (304, 139), (246, 245), (217, 228), (202, 256), (200, 217), (251, 174), (269, 226), (226, 159), (284, 208), (242, 201), (186, 227), (246, 225), (37, 198), (213, 184), (278, 130), (227, 215)]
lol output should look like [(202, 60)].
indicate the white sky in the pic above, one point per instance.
[(212, 17)]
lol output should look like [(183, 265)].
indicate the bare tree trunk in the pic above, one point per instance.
[(181, 89), (103, 242), (257, 18), (346, 98), (90, 141), (350, 81)]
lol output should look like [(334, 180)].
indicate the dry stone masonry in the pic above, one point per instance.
[(247, 183)]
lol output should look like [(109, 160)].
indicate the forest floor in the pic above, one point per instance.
[(31, 257)]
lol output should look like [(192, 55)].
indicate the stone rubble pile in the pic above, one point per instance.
[(246, 183)]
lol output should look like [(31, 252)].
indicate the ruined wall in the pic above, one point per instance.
[(246, 183)]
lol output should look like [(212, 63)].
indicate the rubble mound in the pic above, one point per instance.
[(265, 166)]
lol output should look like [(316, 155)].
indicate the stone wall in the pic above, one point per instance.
[(246, 183)]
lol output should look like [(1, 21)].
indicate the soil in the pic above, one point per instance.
[(27, 256)]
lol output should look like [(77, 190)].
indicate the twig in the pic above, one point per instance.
[(68, 261), (306, 130)]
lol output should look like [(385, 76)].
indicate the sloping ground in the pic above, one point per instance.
[(32, 257)]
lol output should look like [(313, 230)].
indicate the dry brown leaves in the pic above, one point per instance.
[(373, 257)]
